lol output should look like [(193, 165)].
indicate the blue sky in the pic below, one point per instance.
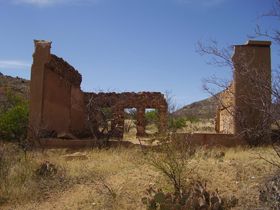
[(129, 45)]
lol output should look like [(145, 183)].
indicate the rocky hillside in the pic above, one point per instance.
[(204, 109), (16, 85)]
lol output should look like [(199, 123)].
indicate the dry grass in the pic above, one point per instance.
[(117, 178), (201, 126)]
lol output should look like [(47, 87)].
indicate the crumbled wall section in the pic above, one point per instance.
[(250, 91), (224, 122), (57, 104), (64, 70), (118, 102), (55, 85)]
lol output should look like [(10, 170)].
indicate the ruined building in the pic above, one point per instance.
[(58, 105), (245, 103)]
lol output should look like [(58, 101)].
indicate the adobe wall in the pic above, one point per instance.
[(56, 100), (210, 139), (141, 101), (250, 92), (252, 78), (57, 104)]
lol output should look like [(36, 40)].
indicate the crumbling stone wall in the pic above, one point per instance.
[(225, 113), (57, 104), (250, 92), (56, 100), (118, 102)]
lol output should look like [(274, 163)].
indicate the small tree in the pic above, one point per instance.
[(174, 123), (14, 118), (99, 120)]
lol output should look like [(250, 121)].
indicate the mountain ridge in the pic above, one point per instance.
[(203, 109)]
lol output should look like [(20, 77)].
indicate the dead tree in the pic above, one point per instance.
[(99, 122)]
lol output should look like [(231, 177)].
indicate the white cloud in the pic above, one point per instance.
[(14, 64), (44, 3)]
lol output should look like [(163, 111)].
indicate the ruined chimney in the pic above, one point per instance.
[(252, 85), (41, 56), (42, 50)]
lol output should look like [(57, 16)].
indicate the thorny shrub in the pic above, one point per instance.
[(195, 197)]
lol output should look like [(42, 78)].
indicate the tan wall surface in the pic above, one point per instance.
[(78, 112), (41, 56), (56, 102), (210, 139)]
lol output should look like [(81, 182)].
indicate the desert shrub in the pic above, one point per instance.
[(151, 117), (195, 197), (171, 158), (192, 119), (176, 123), (13, 123), (14, 118), (11, 100)]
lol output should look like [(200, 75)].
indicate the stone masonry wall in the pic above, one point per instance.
[(118, 102), (250, 91), (224, 122)]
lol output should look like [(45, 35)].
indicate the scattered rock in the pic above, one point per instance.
[(47, 134), (66, 136), (46, 169), (76, 156), (220, 154)]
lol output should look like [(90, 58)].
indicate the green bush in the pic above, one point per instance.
[(14, 118), (176, 123), (151, 117), (192, 119)]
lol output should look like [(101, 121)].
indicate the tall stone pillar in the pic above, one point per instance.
[(41, 56), (140, 126), (163, 119), (252, 85)]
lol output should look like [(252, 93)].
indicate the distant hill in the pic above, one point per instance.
[(204, 109), (16, 85)]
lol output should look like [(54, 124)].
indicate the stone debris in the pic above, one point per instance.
[(76, 156)]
